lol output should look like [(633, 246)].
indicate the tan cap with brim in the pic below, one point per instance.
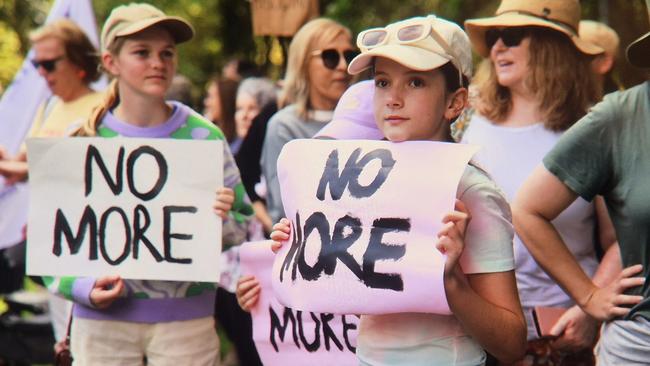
[(444, 42), (132, 18), (638, 52), (560, 15), (601, 35), (411, 57)]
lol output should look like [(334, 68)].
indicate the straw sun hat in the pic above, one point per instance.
[(560, 15)]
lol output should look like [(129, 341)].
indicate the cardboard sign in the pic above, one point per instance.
[(140, 208), (365, 217), (288, 337), (281, 17)]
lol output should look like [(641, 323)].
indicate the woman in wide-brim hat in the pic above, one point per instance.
[(605, 153), (533, 85), (560, 15)]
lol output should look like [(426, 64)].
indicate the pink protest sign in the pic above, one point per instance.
[(288, 337), (365, 217)]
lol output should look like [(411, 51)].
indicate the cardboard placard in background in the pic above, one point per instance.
[(288, 337), (281, 17)]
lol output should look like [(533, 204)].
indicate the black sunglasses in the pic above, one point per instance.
[(47, 65), (510, 36), (331, 57)]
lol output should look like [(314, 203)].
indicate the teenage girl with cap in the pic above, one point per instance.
[(606, 153), (133, 322), (533, 85), (420, 84)]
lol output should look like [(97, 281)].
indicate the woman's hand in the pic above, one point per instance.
[(13, 169), (575, 331), (223, 203), (248, 292), (106, 290), (604, 303), (451, 236), (280, 234)]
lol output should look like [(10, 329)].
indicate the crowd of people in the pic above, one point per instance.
[(549, 213)]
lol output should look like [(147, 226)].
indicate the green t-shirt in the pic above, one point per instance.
[(608, 153)]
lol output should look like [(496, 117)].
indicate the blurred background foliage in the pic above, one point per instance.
[(224, 29)]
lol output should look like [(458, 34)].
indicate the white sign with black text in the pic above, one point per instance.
[(139, 208)]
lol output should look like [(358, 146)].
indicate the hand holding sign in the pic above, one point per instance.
[(280, 234), (451, 237), (248, 292), (224, 201), (248, 287), (106, 290)]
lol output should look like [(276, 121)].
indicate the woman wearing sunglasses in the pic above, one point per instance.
[(533, 85), (68, 62), (315, 80)]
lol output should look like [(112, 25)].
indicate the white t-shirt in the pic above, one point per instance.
[(430, 339), (509, 155)]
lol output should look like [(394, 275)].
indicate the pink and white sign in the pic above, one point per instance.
[(365, 217), (288, 337)]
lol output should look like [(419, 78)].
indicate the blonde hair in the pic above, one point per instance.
[(559, 76), (78, 48), (112, 97), (297, 83)]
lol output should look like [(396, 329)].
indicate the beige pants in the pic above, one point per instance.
[(102, 342)]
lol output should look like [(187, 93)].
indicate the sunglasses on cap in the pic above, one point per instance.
[(511, 36), (407, 34), (331, 57), (47, 65)]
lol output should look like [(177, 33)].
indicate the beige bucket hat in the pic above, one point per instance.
[(132, 18), (560, 15), (601, 35)]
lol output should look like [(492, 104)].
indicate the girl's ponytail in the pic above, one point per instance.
[(89, 128)]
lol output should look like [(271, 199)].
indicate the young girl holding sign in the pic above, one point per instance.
[(420, 89), (117, 321)]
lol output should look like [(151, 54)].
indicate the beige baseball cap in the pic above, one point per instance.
[(601, 35), (419, 43), (560, 15), (132, 18)]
